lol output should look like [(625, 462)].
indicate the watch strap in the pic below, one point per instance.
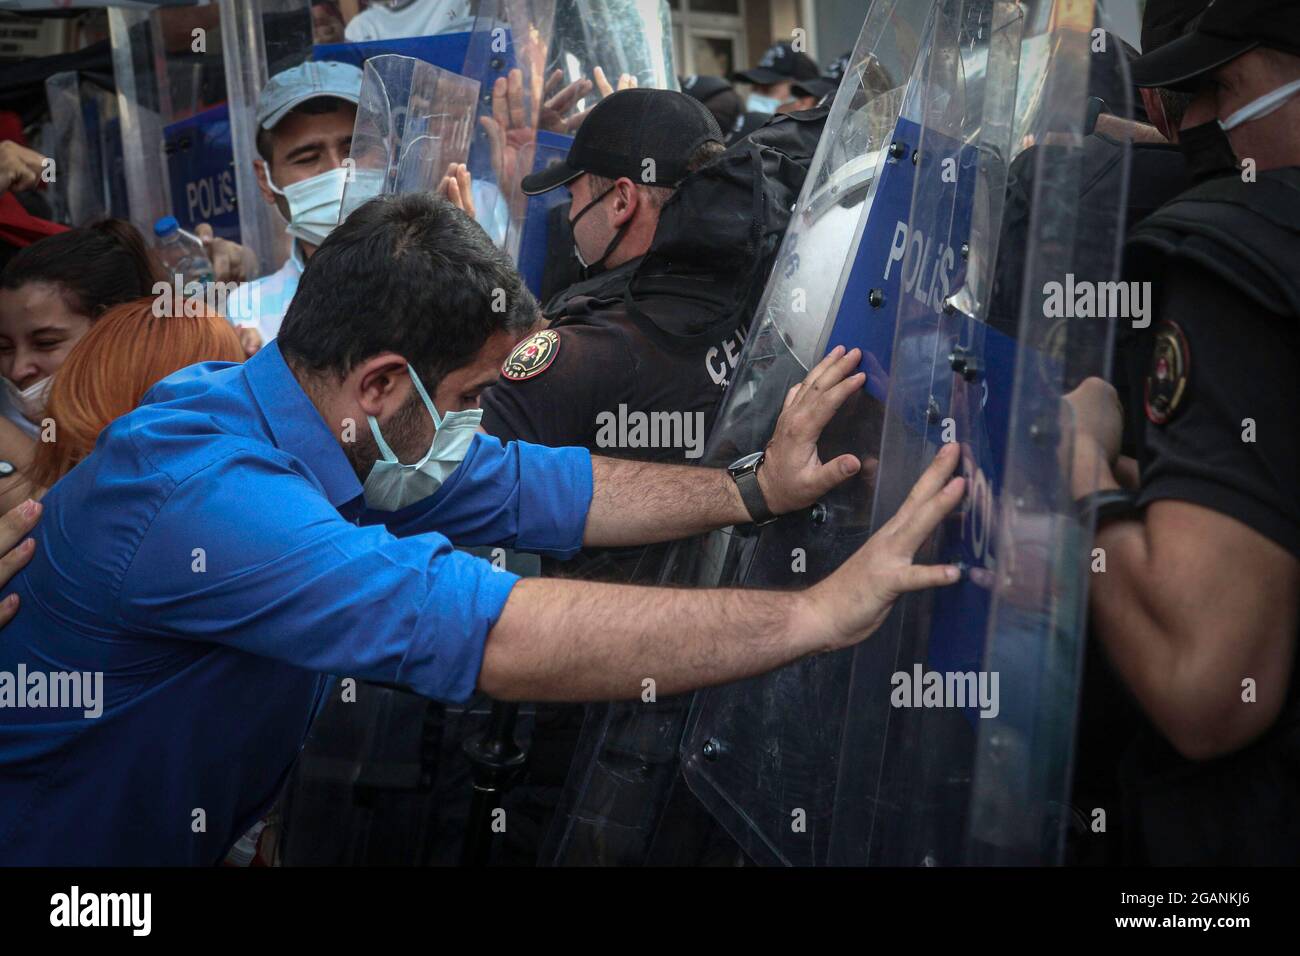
[(752, 495)]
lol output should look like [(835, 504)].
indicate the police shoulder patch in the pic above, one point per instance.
[(532, 356), (1167, 376)]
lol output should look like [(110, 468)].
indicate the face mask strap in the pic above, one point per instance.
[(269, 182), (1262, 106), (379, 440), (419, 387), (590, 267)]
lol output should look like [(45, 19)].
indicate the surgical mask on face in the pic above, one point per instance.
[(758, 103), (590, 269), (30, 400), (314, 204), (365, 185), (391, 486)]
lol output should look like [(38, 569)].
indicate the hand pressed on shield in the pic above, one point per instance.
[(456, 188), (854, 601), (792, 475), (512, 136)]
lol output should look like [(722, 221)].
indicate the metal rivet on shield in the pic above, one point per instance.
[(932, 413), (895, 150), (876, 298), (916, 155), (711, 749), (965, 250), (964, 363), (497, 63), (818, 513)]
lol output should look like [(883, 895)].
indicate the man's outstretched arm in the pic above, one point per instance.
[(642, 503), (574, 640)]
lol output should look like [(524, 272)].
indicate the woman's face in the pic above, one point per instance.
[(37, 330)]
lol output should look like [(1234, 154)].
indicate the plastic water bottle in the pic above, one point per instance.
[(182, 252)]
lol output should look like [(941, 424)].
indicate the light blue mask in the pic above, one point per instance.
[(758, 103), (391, 486)]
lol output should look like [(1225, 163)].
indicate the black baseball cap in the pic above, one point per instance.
[(1164, 21), (625, 129), (818, 87), (1226, 30), (779, 63), (702, 88)]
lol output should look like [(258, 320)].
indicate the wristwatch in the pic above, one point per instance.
[(1108, 505), (744, 472)]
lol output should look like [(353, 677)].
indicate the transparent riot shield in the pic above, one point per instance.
[(631, 38), (946, 737), (87, 149), (176, 138), (507, 54), (260, 38), (625, 801), (413, 121), (957, 738)]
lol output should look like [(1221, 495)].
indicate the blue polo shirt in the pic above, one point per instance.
[(213, 559)]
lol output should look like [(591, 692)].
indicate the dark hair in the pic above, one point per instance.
[(95, 267), (410, 274), (316, 106)]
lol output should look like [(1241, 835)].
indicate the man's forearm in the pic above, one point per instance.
[(637, 502), (574, 640)]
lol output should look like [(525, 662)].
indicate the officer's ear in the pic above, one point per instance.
[(627, 198), (379, 385)]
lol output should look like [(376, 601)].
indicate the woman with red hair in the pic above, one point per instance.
[(124, 354)]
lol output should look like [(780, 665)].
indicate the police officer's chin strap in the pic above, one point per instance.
[(590, 269)]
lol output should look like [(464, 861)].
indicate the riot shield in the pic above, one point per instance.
[(413, 121), (87, 148), (623, 37), (957, 740), (624, 801), (176, 138), (946, 737)]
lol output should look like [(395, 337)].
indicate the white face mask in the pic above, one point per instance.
[(391, 486), (314, 204), (1261, 106), (30, 400)]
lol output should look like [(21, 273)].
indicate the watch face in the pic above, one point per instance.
[(741, 464)]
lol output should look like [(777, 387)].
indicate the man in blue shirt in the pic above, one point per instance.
[(217, 554)]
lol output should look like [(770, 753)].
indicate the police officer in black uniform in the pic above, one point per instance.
[(1199, 604), (771, 85), (609, 361), (606, 364)]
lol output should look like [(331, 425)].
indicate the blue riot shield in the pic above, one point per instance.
[(942, 213), (626, 801)]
